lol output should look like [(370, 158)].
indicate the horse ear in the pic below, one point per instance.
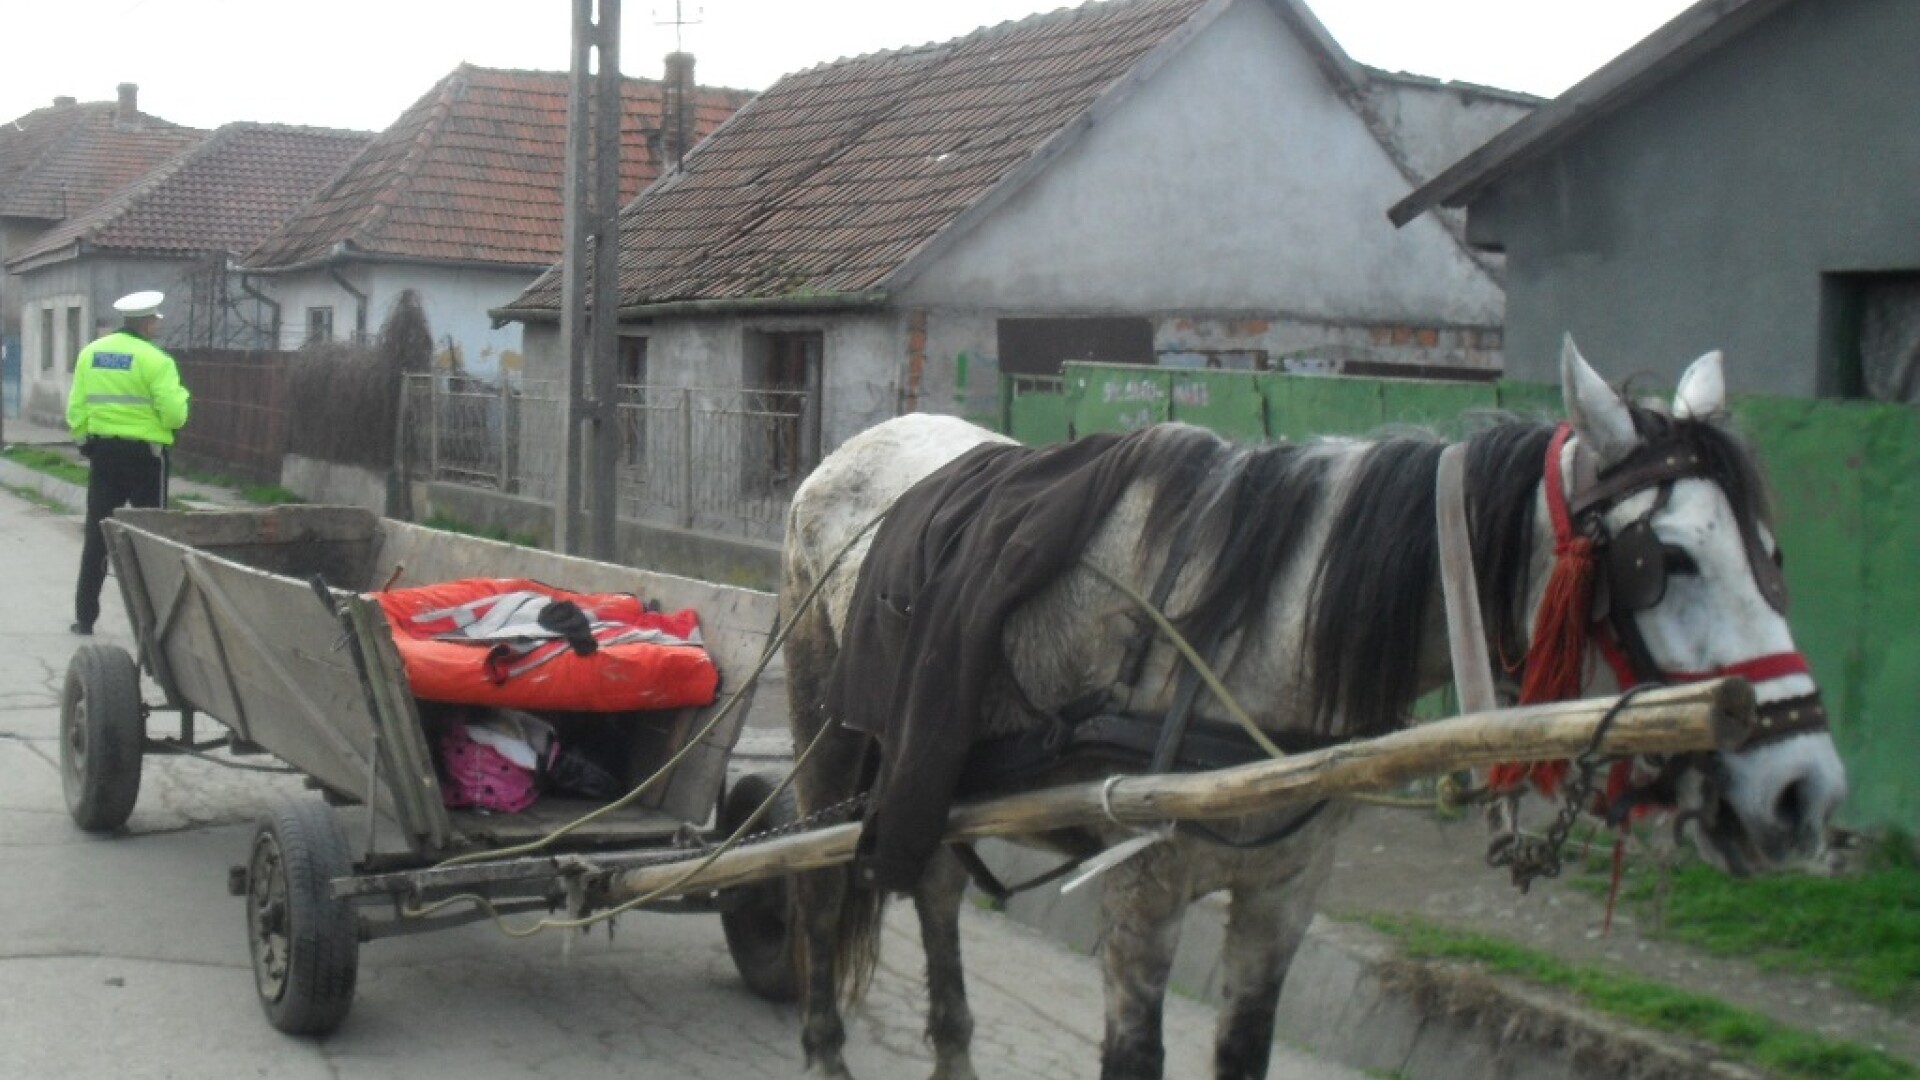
[(1703, 389), (1597, 414)]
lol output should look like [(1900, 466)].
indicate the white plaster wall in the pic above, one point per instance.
[(1233, 180), (456, 301)]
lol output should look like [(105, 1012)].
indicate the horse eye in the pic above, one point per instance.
[(1780, 557), (1678, 561)]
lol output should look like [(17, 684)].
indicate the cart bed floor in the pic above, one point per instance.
[(633, 824)]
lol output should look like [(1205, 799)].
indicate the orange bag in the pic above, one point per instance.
[(479, 641)]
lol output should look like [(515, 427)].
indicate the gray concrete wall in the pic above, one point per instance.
[(862, 359), (1233, 182), (92, 283), (1704, 215), (728, 560)]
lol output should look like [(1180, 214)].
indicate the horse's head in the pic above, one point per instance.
[(1688, 586)]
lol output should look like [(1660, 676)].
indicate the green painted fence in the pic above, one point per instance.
[(1846, 478)]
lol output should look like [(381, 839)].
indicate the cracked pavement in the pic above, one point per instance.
[(124, 956)]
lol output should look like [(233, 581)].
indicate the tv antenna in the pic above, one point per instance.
[(679, 21)]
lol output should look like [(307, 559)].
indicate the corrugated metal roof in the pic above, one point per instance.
[(832, 179), (473, 173), (225, 194)]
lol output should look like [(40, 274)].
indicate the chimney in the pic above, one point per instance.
[(676, 118), (127, 115), (63, 101)]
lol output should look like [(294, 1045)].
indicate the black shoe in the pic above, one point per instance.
[(82, 628)]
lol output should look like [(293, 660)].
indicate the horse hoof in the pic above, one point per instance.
[(961, 1071)]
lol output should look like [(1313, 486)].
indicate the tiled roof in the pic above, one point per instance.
[(64, 159), (835, 176), (226, 194), (473, 173)]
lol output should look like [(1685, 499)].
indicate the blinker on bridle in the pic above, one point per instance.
[(1634, 571)]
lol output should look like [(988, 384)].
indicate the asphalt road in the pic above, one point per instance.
[(124, 956)]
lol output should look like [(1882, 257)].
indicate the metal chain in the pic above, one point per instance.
[(694, 848), (1531, 857)]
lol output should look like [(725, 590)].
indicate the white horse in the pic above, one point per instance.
[(1314, 570)]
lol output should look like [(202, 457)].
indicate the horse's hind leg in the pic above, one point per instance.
[(830, 775), (1144, 902), (949, 1020), (1265, 925)]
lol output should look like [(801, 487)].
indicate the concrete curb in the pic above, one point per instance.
[(1353, 997), (73, 497)]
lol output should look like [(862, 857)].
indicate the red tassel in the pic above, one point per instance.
[(1557, 655)]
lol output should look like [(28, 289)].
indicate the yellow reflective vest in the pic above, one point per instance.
[(126, 387)]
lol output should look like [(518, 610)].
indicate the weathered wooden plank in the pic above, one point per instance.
[(1669, 720)]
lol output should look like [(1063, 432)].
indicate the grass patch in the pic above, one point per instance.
[(1861, 929), (51, 462), (489, 532), (269, 495), (1740, 1033), (259, 494)]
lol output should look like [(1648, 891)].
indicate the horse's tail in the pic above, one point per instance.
[(856, 949)]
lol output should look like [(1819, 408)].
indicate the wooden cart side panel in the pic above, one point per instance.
[(259, 653), (294, 541), (138, 598), (406, 763), (736, 624)]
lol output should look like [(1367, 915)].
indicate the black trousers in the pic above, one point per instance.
[(123, 472)]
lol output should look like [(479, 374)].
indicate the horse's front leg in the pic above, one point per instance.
[(1265, 924), (949, 1020), (1144, 902)]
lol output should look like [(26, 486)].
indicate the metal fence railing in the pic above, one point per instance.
[(725, 460)]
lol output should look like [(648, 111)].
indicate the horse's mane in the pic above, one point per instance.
[(1380, 558)]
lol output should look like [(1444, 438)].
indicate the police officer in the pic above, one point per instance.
[(124, 407)]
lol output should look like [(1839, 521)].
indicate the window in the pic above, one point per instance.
[(74, 341), (630, 390), (46, 338), (1040, 346), (1870, 337), (319, 325), (782, 384)]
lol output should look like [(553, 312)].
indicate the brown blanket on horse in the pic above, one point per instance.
[(957, 553)]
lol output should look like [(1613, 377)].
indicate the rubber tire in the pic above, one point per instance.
[(101, 737), (758, 918), (304, 943)]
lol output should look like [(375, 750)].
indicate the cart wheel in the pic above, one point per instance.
[(101, 731), (305, 943), (758, 918)]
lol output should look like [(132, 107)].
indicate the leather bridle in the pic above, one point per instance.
[(1633, 571)]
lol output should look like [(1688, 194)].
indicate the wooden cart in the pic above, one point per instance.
[(259, 619)]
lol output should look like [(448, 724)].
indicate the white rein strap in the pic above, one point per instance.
[(1466, 635)]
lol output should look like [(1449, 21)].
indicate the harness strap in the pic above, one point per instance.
[(998, 893), (1466, 633), (1757, 670)]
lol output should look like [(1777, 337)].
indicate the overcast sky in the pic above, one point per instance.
[(360, 63)]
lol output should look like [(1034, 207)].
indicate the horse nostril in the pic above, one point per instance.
[(1791, 807)]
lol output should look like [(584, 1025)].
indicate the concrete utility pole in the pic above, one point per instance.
[(585, 518)]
